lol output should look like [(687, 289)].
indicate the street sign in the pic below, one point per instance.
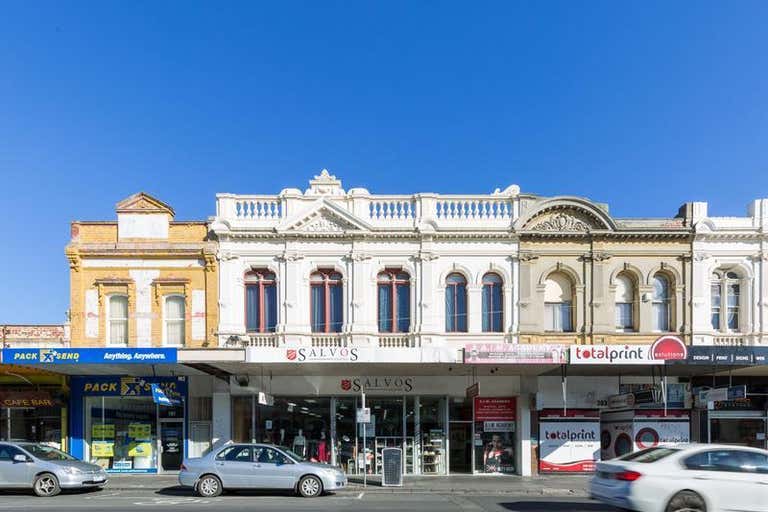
[(364, 415)]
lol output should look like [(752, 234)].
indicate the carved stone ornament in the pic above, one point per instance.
[(701, 256), (562, 222), (359, 256), (426, 256), (528, 257), (324, 184), (601, 256), (290, 256)]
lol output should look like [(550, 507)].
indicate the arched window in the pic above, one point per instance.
[(625, 303), (394, 301), (725, 284), (493, 303), (455, 303), (260, 301), (174, 320), (661, 303), (558, 303), (118, 320), (327, 297)]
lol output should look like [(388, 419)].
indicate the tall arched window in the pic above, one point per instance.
[(558, 303), (661, 303), (174, 320), (394, 301), (493, 303), (118, 320), (327, 297), (725, 284), (455, 303), (260, 301), (625, 303)]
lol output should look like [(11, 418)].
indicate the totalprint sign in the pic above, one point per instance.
[(666, 348)]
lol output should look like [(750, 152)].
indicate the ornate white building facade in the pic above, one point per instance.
[(730, 277)]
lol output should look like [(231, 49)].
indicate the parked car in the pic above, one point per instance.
[(691, 478), (45, 470), (258, 466)]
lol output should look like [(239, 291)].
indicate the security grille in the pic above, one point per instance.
[(392, 464)]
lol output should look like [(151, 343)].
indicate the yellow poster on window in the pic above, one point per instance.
[(102, 431), (140, 431), (101, 449), (140, 449)]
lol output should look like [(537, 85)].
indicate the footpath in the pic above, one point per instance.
[(544, 485)]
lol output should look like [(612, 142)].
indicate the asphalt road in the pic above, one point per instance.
[(123, 501)]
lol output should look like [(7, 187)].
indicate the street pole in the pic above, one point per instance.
[(365, 449)]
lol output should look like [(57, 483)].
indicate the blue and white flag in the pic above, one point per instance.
[(159, 396)]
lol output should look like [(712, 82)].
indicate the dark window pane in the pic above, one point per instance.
[(385, 308), (337, 310), (318, 309), (461, 308), (403, 307), (270, 307), (450, 309), (252, 313)]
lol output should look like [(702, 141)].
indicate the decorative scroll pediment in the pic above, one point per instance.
[(565, 215), (561, 222)]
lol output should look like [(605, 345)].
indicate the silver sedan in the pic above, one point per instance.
[(45, 470), (258, 466)]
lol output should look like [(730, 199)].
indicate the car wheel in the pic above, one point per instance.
[(686, 501), (46, 485), (209, 486), (310, 486)]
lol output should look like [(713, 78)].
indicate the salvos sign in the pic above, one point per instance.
[(322, 354), (666, 348)]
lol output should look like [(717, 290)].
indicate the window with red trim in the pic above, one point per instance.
[(326, 301), (260, 301), (394, 292)]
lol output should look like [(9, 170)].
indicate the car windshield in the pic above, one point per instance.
[(649, 454), (44, 452), (296, 457)]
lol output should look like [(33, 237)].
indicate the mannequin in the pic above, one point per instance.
[(322, 449), (300, 444), (282, 436)]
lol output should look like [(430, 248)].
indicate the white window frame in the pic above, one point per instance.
[(108, 321), (665, 302), (552, 311), (166, 320), (724, 281)]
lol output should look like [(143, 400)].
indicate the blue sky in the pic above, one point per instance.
[(644, 105)]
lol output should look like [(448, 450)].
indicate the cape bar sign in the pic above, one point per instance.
[(666, 348)]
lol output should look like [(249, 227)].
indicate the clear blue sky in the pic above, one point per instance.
[(644, 105)]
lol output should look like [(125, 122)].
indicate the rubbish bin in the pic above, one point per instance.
[(392, 467)]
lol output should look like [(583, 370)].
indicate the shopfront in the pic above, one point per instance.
[(438, 428), (118, 423)]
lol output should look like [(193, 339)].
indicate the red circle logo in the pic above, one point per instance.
[(291, 354), (647, 438), (669, 348), (346, 384)]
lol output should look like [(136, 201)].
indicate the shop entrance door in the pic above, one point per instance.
[(171, 444), (460, 447)]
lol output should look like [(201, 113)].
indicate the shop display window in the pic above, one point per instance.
[(121, 432), (432, 433), (300, 424), (35, 424)]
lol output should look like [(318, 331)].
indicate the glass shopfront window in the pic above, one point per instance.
[(494, 435), (36, 424), (122, 432), (345, 445)]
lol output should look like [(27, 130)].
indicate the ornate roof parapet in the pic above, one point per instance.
[(324, 184)]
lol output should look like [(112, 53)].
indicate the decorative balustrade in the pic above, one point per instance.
[(384, 211), (730, 340), (329, 340), (403, 341)]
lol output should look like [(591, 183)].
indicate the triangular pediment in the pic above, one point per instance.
[(143, 203), (323, 217)]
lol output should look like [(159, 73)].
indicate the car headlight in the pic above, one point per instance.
[(72, 471)]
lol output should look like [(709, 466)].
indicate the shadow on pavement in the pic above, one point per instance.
[(548, 506), (186, 491)]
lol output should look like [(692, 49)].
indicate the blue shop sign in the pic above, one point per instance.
[(174, 388), (89, 355), (736, 356)]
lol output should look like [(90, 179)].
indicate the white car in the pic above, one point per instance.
[(690, 478)]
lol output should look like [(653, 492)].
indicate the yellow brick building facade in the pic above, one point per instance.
[(144, 280)]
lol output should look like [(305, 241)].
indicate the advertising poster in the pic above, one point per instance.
[(103, 431), (568, 446), (103, 449), (654, 433), (140, 431), (616, 439), (140, 449), (495, 409)]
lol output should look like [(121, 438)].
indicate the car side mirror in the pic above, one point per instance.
[(20, 458)]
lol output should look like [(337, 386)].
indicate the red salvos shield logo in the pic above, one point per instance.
[(291, 354), (346, 384), (669, 348)]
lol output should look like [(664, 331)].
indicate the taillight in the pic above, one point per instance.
[(627, 476)]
